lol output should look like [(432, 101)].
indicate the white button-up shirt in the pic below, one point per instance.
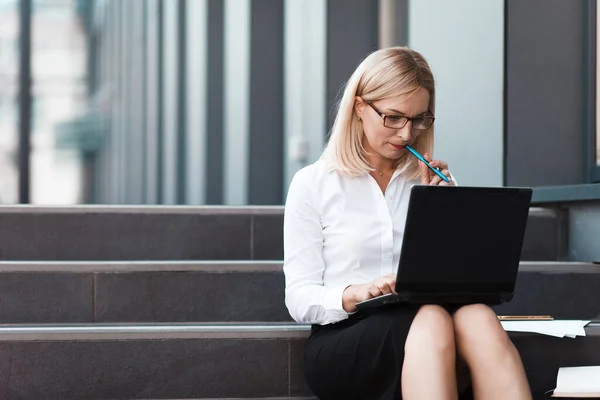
[(338, 231)]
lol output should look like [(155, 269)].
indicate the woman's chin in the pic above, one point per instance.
[(391, 155)]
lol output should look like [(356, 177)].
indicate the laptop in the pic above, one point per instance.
[(462, 245)]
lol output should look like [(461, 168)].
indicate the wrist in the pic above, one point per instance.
[(349, 299)]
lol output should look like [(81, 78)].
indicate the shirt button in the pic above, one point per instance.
[(388, 255)]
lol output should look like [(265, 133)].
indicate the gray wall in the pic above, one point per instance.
[(265, 180), (347, 47), (463, 41), (584, 232), (214, 134), (249, 151), (544, 88), (305, 110)]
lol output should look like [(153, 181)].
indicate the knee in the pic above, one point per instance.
[(432, 329), (478, 323)]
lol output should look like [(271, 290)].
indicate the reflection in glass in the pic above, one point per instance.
[(9, 86), (59, 100)]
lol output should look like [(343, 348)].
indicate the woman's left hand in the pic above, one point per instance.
[(428, 177)]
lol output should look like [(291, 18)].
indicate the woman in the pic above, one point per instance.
[(343, 227)]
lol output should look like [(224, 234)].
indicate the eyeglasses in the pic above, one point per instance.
[(399, 121)]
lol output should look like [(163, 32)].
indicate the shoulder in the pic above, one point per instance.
[(313, 184), (312, 176)]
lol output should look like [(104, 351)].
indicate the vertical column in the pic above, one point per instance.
[(196, 104), (305, 70), (170, 125), (266, 103), (115, 100), (181, 159), (152, 109), (236, 101), (592, 114), (130, 102), (387, 23), (469, 83), (124, 100), (402, 26), (347, 47), (542, 82), (105, 96), (393, 23), (138, 107), (25, 101), (214, 162)]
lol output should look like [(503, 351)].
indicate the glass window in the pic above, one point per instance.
[(598, 86), (59, 95), (9, 108)]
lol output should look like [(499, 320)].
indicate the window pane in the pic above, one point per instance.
[(598, 86), (9, 111), (59, 101)]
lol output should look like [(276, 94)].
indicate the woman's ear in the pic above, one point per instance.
[(359, 105)]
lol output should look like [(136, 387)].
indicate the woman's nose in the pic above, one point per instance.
[(405, 132)]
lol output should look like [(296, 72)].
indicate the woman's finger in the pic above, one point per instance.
[(390, 279), (374, 291), (439, 181), (425, 178), (385, 288), (435, 180), (392, 287), (446, 173), (439, 164), (426, 173)]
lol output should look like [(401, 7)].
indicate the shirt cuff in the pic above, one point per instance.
[(333, 299)]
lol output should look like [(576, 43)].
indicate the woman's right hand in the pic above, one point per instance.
[(357, 293)]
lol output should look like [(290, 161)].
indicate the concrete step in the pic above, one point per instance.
[(195, 291), (216, 361), (107, 233), (151, 362), (125, 233)]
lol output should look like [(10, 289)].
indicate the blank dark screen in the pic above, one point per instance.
[(463, 237)]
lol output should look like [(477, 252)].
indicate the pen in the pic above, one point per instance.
[(525, 318), (420, 157)]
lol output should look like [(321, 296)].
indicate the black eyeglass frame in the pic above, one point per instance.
[(429, 117)]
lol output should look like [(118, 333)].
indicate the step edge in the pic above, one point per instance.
[(141, 209), (225, 266), (164, 331), (181, 209), (89, 332), (141, 266)]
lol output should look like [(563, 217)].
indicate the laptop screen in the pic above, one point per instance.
[(463, 239)]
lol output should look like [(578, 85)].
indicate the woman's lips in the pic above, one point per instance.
[(397, 146)]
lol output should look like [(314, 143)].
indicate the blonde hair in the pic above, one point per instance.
[(385, 73)]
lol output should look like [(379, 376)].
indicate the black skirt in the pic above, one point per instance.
[(360, 357)]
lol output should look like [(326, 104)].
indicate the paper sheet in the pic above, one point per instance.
[(578, 379), (556, 328)]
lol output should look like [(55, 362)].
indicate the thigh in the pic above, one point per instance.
[(359, 358)]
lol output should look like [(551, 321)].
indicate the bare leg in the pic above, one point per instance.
[(496, 368), (429, 369)]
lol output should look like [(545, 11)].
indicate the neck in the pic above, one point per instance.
[(383, 165)]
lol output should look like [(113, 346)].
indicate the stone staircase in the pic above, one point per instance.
[(188, 302)]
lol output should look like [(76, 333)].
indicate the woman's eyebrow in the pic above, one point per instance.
[(401, 113)]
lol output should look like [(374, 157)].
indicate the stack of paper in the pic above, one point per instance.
[(556, 328), (578, 382)]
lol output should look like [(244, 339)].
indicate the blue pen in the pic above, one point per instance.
[(420, 157)]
